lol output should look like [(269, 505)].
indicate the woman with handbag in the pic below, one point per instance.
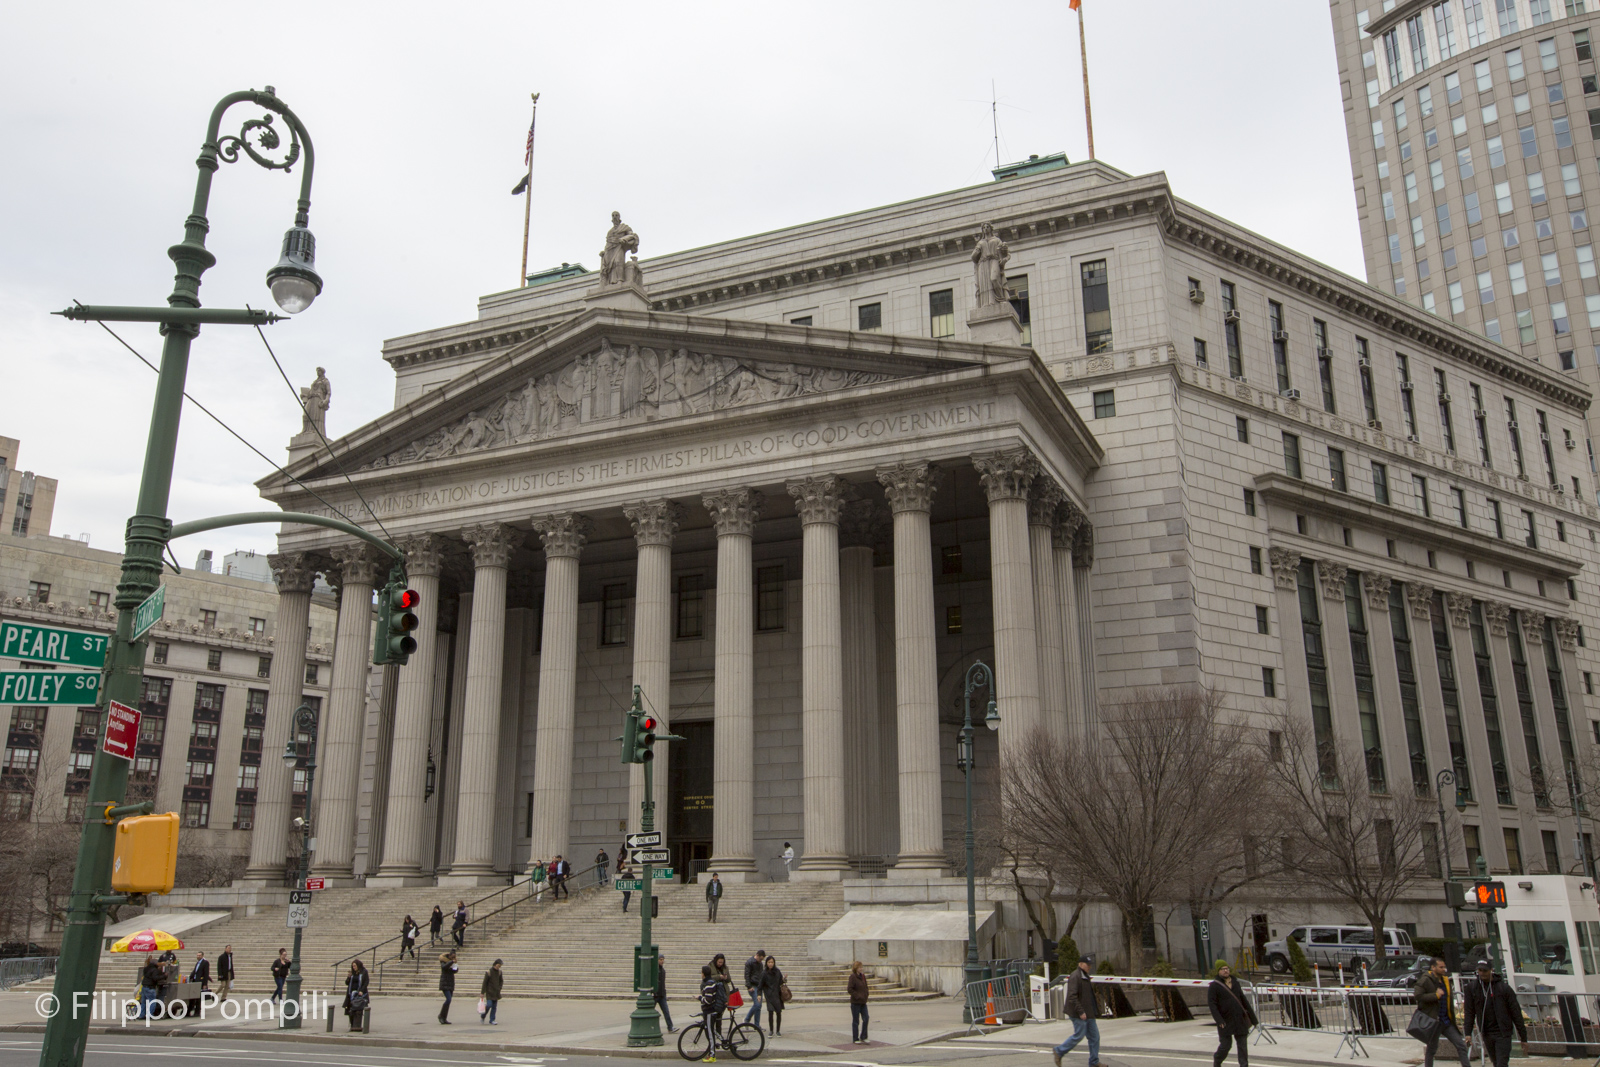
[(356, 997), (775, 991), (1232, 1014)]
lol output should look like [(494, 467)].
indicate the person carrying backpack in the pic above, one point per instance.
[(713, 1001)]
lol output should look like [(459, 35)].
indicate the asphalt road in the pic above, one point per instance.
[(114, 1051)]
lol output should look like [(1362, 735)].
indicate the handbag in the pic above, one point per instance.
[(735, 999), (1423, 1027), (483, 1005), (783, 992), (358, 1001)]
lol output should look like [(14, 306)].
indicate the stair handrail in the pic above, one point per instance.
[(521, 882)]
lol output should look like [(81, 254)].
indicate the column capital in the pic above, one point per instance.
[(357, 563), (862, 523), (492, 543), (295, 572), (1083, 545), (1006, 475), (1567, 633), (1376, 586), (1420, 599), (655, 522), (1285, 563), (909, 486), (1496, 614), (733, 511), (1069, 517), (424, 554), (1332, 575), (818, 499), (1044, 501), (1533, 627), (563, 534), (1460, 607)]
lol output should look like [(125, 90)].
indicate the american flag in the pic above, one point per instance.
[(527, 158)]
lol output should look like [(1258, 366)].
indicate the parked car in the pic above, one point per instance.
[(1332, 946), (1400, 974), (14, 949)]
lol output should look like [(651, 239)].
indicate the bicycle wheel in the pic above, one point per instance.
[(692, 1044), (746, 1041)]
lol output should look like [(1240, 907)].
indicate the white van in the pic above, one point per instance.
[(1330, 946)]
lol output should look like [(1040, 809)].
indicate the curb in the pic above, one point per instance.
[(320, 1037)]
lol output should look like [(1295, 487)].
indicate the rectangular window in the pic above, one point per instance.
[(1487, 114), (1592, 304), (1261, 620), (769, 598), (208, 619), (1291, 454), (214, 659), (1519, 278), (1411, 187), (1460, 497), (1444, 30), (1255, 568), (1481, 73), (1018, 287), (1446, 424), (1269, 684), (1561, 127), (1241, 428), (1096, 306), (1485, 287), (1499, 520), (1250, 502), (1336, 476), (1581, 39), (1436, 174), (1230, 331), (1585, 254), (1388, 205), (1325, 367), (1407, 406), (1464, 163), (1469, 203), (1391, 56), (614, 614), (1558, 317), (952, 619), (1547, 47), (942, 313), (1419, 485), (311, 674), (196, 813), (1514, 865), (39, 592), (1419, 44), (1531, 539), (1410, 698), (1105, 404), (1380, 483), (1419, 236), (1442, 213), (1502, 202), (1200, 353), (869, 318), (691, 605), (1514, 69), (1280, 343), (1399, 108), (1551, 266), (158, 652), (1364, 372), (1536, 194), (1458, 302), (1552, 852), (1480, 419), (264, 667), (950, 561)]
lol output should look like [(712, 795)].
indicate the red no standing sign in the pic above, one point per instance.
[(122, 730)]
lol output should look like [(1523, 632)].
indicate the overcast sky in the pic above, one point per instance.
[(699, 121)]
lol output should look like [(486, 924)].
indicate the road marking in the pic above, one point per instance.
[(318, 1056)]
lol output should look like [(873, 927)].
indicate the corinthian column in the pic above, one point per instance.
[(340, 762), (859, 526), (413, 708), (734, 511), (294, 572), (655, 522), (1044, 501), (818, 500), (564, 536), (1007, 477), (492, 544), (909, 487), (1070, 518)]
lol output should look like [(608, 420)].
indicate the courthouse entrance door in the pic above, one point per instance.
[(689, 797)]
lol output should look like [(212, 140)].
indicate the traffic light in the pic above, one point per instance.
[(1455, 894), (1488, 895), (644, 739), (146, 855), (392, 642), (630, 734)]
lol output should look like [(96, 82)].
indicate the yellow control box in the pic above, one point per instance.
[(146, 859)]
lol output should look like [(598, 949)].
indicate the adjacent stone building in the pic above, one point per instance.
[(27, 500)]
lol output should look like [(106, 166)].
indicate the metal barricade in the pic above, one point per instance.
[(25, 969), (1353, 1012), (998, 1001)]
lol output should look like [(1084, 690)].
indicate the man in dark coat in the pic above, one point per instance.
[(1435, 997), (494, 980), (201, 971), (280, 972), (713, 896), (447, 983), (224, 972), (1232, 1013), (661, 991), (560, 870), (752, 984), (458, 925), (1083, 1010), (1491, 1006)]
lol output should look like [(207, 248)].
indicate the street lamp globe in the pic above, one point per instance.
[(991, 718), (290, 756), (294, 281)]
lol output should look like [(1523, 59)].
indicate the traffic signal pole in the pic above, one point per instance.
[(638, 746)]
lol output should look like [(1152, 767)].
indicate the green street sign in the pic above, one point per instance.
[(663, 874), (630, 885), (53, 644), (72, 688), (148, 613)]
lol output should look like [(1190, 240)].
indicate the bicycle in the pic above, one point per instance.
[(745, 1040)]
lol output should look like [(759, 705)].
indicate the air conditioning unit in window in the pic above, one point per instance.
[(1290, 394), (1571, 444), (1280, 335), (1557, 487), (1444, 398), (1231, 315), (1241, 379), (1512, 426), (1324, 353), (1545, 438), (1197, 296), (1375, 424), (1363, 361), (1413, 438), (1406, 387), (1479, 413)]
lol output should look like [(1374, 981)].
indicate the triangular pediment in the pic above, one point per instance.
[(612, 370)]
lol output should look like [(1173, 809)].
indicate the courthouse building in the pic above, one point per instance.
[(791, 486)]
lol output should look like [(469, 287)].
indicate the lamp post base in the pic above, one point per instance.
[(974, 971), (644, 1025)]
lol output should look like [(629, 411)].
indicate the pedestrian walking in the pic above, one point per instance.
[(1083, 1010), (224, 972), (494, 980), (788, 859), (435, 927), (560, 869), (149, 985), (356, 996), (458, 925), (447, 983), (408, 937), (280, 971), (1435, 996), (713, 896), (752, 984), (601, 862), (1232, 1013), (201, 971), (661, 991), (1491, 1006), (713, 1001), (625, 871), (775, 990), (858, 990)]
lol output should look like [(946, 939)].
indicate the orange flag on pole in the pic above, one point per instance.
[(1073, 4)]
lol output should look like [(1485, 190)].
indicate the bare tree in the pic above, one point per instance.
[(1172, 784), (1364, 847)]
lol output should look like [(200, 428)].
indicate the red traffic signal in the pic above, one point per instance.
[(408, 599), (1489, 894), (648, 722)]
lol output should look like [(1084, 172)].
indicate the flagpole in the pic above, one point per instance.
[(527, 203), (1083, 53)]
